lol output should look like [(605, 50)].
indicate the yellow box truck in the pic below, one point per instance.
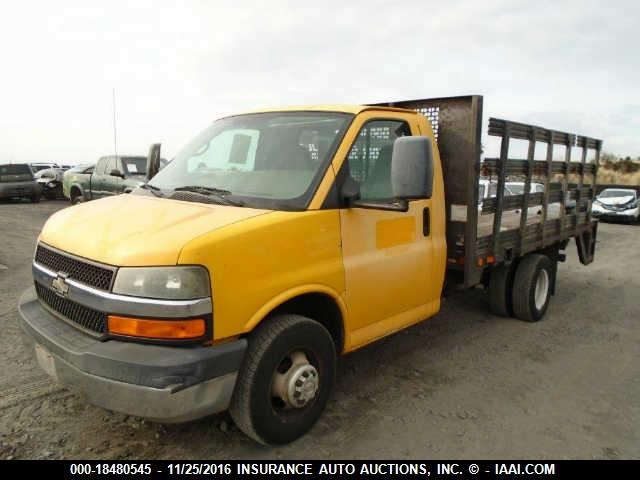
[(277, 240)]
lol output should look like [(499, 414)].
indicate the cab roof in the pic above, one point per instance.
[(355, 109)]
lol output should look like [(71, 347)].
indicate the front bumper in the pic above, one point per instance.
[(606, 214), (162, 383)]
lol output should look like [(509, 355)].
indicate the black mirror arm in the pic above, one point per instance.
[(394, 206)]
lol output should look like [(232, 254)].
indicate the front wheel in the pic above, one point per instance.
[(285, 380), (532, 286)]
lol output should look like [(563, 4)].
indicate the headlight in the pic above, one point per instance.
[(51, 184), (171, 283)]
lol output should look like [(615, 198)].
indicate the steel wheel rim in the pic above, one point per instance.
[(542, 289), (297, 384)]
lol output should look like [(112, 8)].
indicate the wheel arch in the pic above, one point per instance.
[(73, 188), (317, 302)]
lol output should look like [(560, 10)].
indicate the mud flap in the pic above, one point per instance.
[(586, 243)]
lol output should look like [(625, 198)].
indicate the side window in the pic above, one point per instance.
[(231, 150), (369, 159), (101, 166)]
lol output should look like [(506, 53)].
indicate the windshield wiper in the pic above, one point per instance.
[(200, 188), (218, 193), (153, 189)]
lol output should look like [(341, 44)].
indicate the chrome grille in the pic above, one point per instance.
[(82, 271), (79, 314)]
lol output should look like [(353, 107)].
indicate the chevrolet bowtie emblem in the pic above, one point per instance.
[(59, 284)]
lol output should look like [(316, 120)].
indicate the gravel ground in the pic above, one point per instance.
[(465, 384)]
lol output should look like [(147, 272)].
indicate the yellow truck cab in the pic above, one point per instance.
[(275, 241)]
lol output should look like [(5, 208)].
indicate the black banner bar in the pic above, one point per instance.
[(291, 469)]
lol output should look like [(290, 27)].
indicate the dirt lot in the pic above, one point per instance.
[(465, 384)]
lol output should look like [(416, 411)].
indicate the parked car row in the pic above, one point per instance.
[(610, 204), (112, 175)]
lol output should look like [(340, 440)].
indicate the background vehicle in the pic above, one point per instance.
[(276, 240), (73, 176), (111, 176), (617, 204), (37, 166), (16, 181), (486, 189), (50, 181)]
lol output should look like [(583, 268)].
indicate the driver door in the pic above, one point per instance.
[(387, 255)]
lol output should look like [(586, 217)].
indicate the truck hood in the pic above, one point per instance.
[(131, 230)]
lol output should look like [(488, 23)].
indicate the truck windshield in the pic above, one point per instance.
[(15, 173), (266, 160)]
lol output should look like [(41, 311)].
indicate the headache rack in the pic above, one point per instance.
[(507, 225)]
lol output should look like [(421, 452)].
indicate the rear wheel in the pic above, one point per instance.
[(532, 286), (285, 380), (500, 290)]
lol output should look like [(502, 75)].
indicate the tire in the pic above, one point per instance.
[(273, 355), (35, 199), (532, 286), (76, 199), (500, 290)]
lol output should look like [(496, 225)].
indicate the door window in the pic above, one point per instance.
[(369, 160)]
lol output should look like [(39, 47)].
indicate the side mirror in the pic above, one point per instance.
[(116, 173), (153, 160), (412, 168)]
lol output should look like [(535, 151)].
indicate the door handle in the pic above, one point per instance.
[(426, 222)]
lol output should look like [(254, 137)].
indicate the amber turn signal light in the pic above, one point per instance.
[(150, 328)]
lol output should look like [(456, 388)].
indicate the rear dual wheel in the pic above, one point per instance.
[(524, 290), (532, 287), (500, 290)]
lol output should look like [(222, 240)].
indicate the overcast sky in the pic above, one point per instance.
[(177, 66)]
